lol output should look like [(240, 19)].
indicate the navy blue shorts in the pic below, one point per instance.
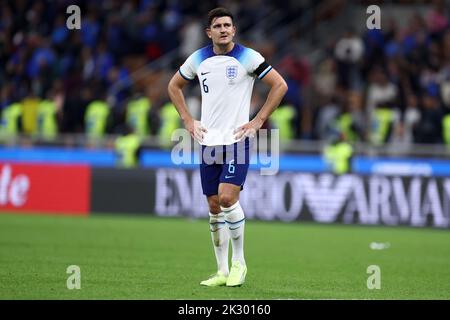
[(224, 164)]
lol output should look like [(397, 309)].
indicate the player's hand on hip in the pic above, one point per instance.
[(248, 130), (196, 130)]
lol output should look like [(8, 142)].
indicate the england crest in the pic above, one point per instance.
[(231, 72)]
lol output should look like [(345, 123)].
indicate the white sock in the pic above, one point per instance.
[(220, 239), (235, 220)]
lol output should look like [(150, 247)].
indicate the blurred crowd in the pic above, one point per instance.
[(388, 85)]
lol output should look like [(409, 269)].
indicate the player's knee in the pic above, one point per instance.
[(214, 207), (226, 200)]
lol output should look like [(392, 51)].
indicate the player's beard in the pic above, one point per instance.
[(224, 43)]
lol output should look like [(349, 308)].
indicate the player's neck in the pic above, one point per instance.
[(223, 49)]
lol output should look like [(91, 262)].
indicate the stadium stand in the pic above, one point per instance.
[(388, 86)]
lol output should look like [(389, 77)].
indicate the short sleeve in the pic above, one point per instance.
[(189, 69), (256, 64)]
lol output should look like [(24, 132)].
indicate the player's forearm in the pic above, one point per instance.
[(274, 98), (177, 98)]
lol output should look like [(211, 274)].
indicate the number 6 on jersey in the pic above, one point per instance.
[(205, 87)]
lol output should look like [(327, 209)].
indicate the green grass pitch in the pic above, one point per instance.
[(132, 257)]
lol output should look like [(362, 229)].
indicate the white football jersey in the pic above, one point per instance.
[(226, 82)]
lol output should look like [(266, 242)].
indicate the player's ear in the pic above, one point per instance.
[(208, 32)]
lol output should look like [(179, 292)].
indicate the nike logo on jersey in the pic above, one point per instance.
[(203, 73), (228, 177)]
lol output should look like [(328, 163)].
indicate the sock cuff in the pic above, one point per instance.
[(217, 219), (234, 206), (235, 216), (219, 215)]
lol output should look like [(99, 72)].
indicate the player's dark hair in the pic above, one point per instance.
[(218, 13)]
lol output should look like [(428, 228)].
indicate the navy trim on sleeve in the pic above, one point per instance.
[(266, 71), (186, 78), (263, 66)]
